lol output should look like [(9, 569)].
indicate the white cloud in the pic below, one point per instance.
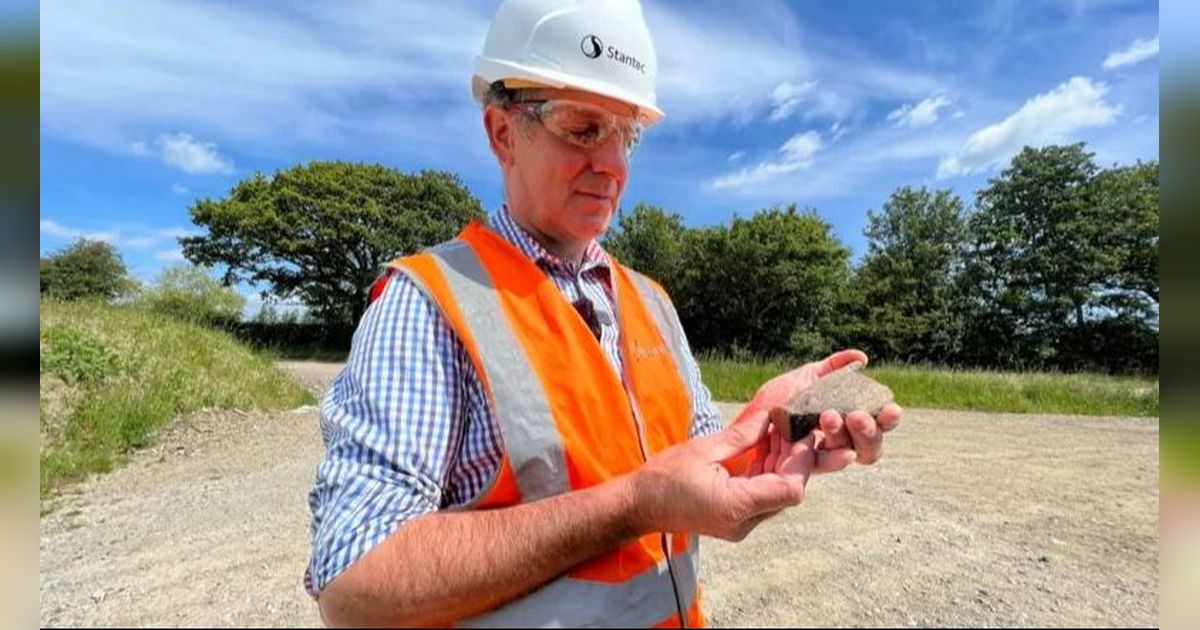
[(55, 229), (922, 114), (175, 232), (1044, 119), (179, 189), (141, 242), (268, 76), (904, 147), (1137, 52), (193, 156), (787, 97), (798, 153), (735, 156), (155, 238), (837, 130), (129, 236), (170, 255), (802, 146), (271, 83), (699, 76), (727, 62)]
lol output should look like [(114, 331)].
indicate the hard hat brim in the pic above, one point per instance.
[(489, 70)]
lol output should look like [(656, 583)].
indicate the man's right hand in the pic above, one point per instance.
[(686, 489)]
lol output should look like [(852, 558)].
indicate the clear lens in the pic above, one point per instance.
[(584, 125)]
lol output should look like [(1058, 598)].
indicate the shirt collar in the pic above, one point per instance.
[(503, 222)]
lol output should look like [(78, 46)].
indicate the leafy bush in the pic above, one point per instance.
[(190, 294), (85, 270), (74, 357)]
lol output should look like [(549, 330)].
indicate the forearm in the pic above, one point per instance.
[(450, 565)]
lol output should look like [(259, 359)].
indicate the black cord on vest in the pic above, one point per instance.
[(683, 620)]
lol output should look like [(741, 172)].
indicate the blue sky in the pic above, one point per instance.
[(149, 106)]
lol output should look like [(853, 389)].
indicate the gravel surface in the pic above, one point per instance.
[(970, 519)]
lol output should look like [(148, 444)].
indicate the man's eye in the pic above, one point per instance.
[(584, 133)]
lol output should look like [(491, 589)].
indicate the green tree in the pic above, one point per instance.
[(86, 270), (321, 232), (650, 240), (189, 293), (909, 305), (1127, 199), (1062, 253), (270, 313), (1122, 331), (767, 285)]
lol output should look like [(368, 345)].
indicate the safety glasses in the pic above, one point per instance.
[(584, 125)]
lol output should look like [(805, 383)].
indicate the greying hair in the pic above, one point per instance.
[(499, 95), (502, 97)]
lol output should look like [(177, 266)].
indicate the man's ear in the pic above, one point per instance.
[(501, 134)]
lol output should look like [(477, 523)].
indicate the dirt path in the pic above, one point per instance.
[(971, 519)]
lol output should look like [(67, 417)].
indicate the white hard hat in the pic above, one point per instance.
[(599, 46)]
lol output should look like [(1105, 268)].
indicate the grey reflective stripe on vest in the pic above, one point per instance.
[(642, 601), (668, 324), (531, 438)]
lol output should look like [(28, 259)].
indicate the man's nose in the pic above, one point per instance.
[(611, 159)]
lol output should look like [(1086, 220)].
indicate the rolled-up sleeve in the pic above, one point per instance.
[(391, 423)]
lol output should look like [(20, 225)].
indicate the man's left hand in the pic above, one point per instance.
[(841, 440)]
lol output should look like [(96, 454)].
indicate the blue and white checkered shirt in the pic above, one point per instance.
[(406, 425)]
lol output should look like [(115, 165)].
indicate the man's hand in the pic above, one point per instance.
[(839, 441), (686, 489)]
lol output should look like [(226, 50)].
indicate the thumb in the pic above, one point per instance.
[(735, 439), (771, 492), (841, 359)]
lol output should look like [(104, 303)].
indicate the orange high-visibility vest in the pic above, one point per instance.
[(568, 421)]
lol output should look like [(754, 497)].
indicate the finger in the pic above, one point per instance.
[(889, 417), (760, 457), (734, 439), (781, 446), (773, 442), (834, 427), (771, 493), (831, 461), (841, 359), (866, 436), (800, 457)]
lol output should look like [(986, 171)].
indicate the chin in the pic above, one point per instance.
[(586, 230)]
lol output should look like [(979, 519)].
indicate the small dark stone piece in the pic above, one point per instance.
[(802, 424), (844, 390)]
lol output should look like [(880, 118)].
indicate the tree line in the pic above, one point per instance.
[(1053, 266)]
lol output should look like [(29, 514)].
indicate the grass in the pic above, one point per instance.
[(314, 353), (973, 390), (112, 375)]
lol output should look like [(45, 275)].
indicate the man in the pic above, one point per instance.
[(520, 436)]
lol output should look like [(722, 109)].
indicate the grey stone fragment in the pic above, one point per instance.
[(844, 390)]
